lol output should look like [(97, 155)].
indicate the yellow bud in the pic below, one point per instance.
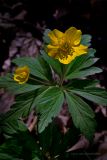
[(21, 74)]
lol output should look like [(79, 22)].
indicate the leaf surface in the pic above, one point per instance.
[(82, 115)]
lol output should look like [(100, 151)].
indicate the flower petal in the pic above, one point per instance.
[(55, 36), (58, 33), (73, 36), (52, 50), (22, 69), (21, 74), (81, 49), (68, 59)]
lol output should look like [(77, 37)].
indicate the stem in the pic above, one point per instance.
[(61, 80), (39, 81), (63, 75)]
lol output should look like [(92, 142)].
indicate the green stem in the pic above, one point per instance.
[(61, 80), (63, 75)]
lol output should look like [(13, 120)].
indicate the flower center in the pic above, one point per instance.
[(65, 50)]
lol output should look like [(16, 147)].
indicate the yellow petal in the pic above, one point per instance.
[(52, 50), (52, 37), (68, 59), (73, 36), (21, 74), (58, 33), (81, 49), (55, 36), (20, 80), (22, 69), (51, 46)]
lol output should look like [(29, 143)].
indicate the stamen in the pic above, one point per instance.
[(64, 51)]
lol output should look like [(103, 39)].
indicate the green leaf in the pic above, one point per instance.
[(84, 73), (81, 84), (50, 138), (24, 104), (46, 38), (54, 63), (8, 83), (49, 104), (10, 149), (20, 146), (18, 141), (22, 107), (91, 52), (5, 156), (86, 39), (11, 126), (82, 115), (96, 95), (89, 63), (38, 67), (80, 61)]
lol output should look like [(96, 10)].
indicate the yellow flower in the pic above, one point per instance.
[(21, 74), (65, 46)]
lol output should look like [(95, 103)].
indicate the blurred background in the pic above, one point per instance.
[(22, 23)]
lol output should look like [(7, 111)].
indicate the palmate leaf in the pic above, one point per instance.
[(38, 67), (20, 146), (54, 141), (79, 68), (50, 138), (10, 149), (49, 104), (12, 126), (9, 84), (18, 141), (22, 107), (82, 115), (81, 84), (96, 95), (84, 73)]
